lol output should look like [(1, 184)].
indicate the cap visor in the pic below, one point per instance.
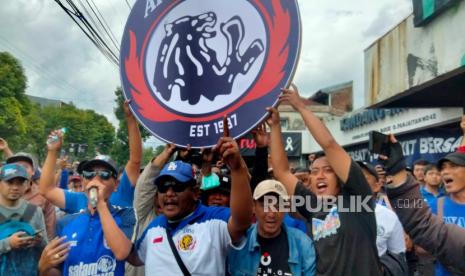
[(92, 163), (162, 178)]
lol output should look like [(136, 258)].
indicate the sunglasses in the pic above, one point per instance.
[(176, 186), (104, 175)]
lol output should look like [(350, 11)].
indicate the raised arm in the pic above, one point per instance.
[(260, 166), (117, 239), (337, 157), (47, 184), (241, 195), (4, 147), (135, 146), (145, 189), (279, 160), (445, 241)]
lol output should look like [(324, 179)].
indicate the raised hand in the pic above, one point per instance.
[(62, 163), (55, 145), (260, 136), (3, 144), (292, 97), (127, 111), (185, 153), (229, 151), (273, 119)]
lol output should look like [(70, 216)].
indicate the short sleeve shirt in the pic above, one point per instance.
[(76, 202), (90, 253), (202, 241)]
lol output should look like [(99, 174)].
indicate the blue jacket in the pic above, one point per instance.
[(302, 259)]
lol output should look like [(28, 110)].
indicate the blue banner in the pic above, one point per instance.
[(430, 145)]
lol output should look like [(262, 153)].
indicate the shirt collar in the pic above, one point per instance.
[(198, 212), (113, 209)]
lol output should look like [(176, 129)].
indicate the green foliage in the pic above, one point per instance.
[(120, 151), (13, 81), (158, 150), (84, 127), (33, 140), (14, 104), (12, 123), (26, 126), (147, 155)]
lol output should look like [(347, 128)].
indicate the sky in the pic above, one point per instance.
[(61, 63)]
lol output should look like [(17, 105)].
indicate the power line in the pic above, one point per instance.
[(105, 26), (35, 66), (129, 6), (80, 19)]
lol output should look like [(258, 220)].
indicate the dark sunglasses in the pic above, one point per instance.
[(104, 175), (176, 186)]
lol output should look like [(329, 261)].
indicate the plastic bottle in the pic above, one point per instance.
[(54, 138)]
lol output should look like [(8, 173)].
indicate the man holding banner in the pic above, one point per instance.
[(180, 241), (337, 234)]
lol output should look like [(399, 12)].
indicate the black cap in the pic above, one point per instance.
[(457, 158), (370, 168), (100, 160)]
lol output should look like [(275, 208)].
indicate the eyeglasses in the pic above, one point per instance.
[(176, 186), (104, 174)]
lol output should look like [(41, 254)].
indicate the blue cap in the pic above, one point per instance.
[(10, 171), (176, 170)]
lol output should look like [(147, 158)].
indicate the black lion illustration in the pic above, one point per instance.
[(185, 60)]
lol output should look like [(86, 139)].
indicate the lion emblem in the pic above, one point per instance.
[(187, 63), (186, 243)]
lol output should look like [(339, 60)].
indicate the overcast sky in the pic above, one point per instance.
[(61, 63)]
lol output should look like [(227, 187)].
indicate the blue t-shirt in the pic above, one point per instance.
[(122, 197), (430, 198), (124, 194), (453, 213), (90, 253)]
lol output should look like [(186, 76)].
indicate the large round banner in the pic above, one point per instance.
[(187, 63)]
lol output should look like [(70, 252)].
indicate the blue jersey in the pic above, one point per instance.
[(453, 213), (429, 197), (122, 197), (90, 253)]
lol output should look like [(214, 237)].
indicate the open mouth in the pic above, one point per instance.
[(321, 187), (447, 180)]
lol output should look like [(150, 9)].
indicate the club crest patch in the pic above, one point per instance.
[(187, 242), (186, 64)]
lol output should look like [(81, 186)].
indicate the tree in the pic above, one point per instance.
[(85, 128), (120, 151), (14, 105), (147, 155), (13, 81), (26, 126), (34, 138)]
